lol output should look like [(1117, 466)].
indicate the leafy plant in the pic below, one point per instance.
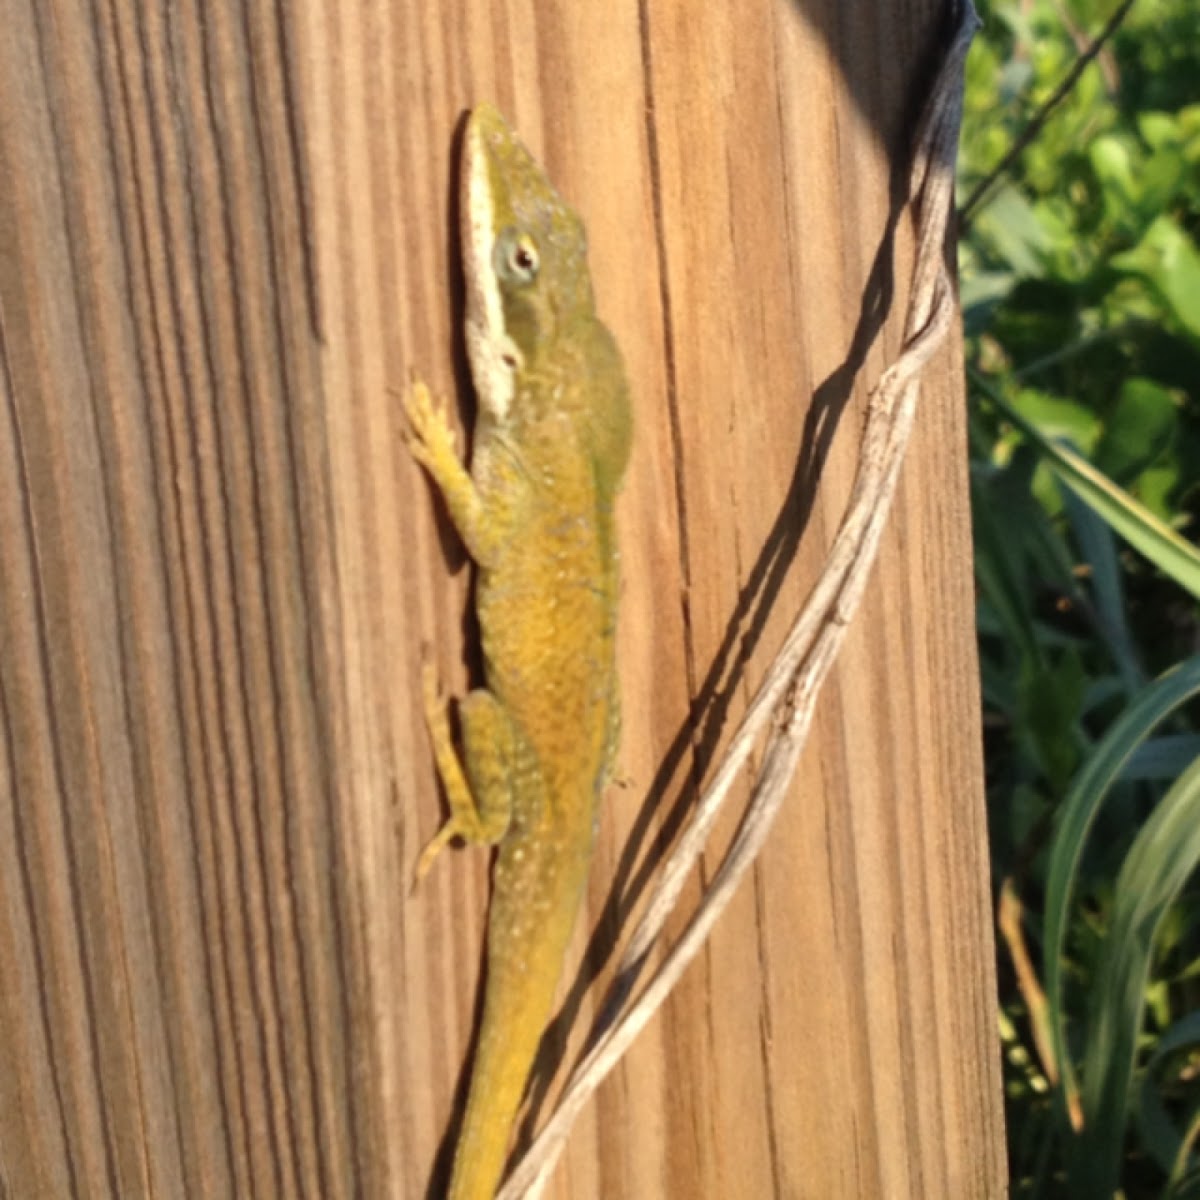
[(1080, 271)]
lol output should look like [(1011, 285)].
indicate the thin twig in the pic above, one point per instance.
[(787, 697), (1009, 910), (1008, 921), (1041, 117)]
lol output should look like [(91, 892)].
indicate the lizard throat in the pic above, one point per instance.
[(495, 358)]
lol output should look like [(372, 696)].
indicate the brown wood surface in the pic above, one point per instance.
[(225, 243)]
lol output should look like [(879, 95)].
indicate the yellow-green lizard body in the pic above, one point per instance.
[(535, 513)]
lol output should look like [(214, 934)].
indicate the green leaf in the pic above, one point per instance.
[(1137, 431), (1012, 230), (1057, 417), (1113, 164), (1168, 261), (981, 291), (1157, 488), (1160, 131)]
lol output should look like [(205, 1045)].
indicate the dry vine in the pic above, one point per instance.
[(787, 697)]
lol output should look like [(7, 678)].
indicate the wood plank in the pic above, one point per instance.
[(226, 242)]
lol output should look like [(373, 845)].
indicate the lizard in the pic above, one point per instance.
[(535, 512)]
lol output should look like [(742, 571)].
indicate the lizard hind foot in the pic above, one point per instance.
[(433, 848), (480, 808)]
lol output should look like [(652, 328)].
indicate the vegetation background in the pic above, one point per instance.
[(1080, 268)]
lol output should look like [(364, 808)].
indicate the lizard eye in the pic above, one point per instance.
[(517, 257)]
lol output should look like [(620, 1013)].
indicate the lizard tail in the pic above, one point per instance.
[(519, 997)]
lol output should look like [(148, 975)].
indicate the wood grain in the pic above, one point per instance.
[(226, 241)]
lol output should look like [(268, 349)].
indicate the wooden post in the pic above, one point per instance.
[(226, 241)]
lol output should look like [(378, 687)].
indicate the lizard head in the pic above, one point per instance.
[(524, 256)]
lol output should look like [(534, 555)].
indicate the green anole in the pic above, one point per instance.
[(535, 512)]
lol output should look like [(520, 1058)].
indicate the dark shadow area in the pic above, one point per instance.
[(870, 42)]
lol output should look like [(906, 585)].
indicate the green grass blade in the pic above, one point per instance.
[(1161, 759), (1163, 856), (1079, 809), (1173, 555)]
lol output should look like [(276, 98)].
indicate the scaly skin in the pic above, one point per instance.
[(535, 513)]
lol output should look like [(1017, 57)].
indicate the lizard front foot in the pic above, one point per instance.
[(430, 439)]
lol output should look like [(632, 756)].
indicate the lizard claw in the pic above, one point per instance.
[(429, 436)]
